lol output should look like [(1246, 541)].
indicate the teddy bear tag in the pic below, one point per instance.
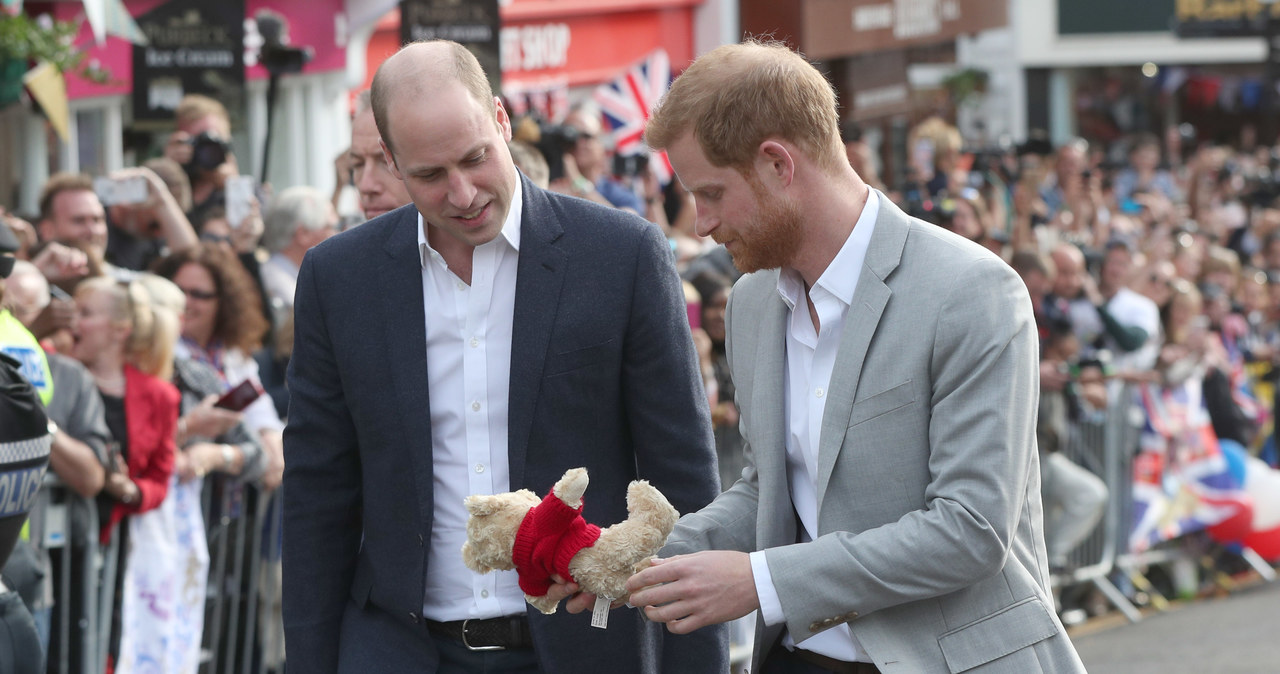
[(600, 614)]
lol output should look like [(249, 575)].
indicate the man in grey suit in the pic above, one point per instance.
[(483, 339), (886, 374)]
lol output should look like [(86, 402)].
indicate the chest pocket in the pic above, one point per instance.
[(882, 403)]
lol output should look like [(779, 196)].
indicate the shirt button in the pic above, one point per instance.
[(462, 286), (479, 467), (819, 392), (476, 405), (474, 342), (484, 594)]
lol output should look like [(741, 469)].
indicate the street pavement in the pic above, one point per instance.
[(1235, 634)]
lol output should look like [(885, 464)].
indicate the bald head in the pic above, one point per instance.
[(421, 69), (1069, 263)]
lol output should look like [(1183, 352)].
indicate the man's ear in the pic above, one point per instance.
[(774, 161), (503, 119), (390, 159)]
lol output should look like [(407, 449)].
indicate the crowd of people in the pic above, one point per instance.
[(153, 311)]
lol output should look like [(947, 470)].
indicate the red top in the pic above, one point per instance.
[(549, 536), (151, 416)]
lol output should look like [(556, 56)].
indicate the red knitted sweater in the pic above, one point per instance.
[(549, 536)]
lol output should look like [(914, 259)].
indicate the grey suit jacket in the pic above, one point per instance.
[(929, 520)]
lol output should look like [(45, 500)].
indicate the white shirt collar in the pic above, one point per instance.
[(510, 227), (840, 278)]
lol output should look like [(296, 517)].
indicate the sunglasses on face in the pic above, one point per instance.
[(198, 294)]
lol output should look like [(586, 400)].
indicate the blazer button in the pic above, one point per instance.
[(851, 615)]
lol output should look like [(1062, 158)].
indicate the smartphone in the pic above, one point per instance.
[(239, 192), (241, 396), (120, 191)]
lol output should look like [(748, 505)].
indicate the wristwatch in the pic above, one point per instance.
[(228, 457)]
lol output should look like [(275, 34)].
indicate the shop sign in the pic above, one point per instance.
[(473, 23), (1223, 18), (195, 47), (535, 47), (836, 28), (875, 85)]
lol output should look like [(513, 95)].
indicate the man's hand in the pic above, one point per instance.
[(691, 591), (61, 263)]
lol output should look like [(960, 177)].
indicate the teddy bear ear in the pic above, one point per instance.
[(481, 505)]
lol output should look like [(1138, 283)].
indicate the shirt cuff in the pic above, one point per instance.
[(770, 607)]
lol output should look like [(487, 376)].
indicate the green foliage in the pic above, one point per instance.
[(965, 84), (24, 39)]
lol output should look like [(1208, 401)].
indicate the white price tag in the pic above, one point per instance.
[(600, 614)]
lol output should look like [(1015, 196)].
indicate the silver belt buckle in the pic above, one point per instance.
[(477, 648)]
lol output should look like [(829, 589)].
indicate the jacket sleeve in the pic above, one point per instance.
[(152, 476), (322, 488), (670, 420)]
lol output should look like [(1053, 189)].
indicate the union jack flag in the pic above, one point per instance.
[(626, 103)]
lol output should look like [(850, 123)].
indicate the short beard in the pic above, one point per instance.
[(772, 239)]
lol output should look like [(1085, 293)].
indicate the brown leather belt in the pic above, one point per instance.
[(838, 666), (492, 634)]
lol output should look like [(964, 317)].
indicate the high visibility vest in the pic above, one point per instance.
[(18, 342)]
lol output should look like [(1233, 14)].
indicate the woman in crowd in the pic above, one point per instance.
[(127, 345), (222, 326)]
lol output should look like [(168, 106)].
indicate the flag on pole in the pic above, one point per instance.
[(627, 102)]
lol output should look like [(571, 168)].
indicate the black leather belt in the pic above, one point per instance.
[(491, 634), (834, 665)]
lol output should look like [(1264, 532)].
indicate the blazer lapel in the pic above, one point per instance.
[(768, 410), (405, 331), (539, 276), (869, 301)]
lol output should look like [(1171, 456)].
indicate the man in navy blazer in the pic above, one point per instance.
[(396, 411)]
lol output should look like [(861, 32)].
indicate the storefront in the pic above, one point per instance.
[(1105, 74), (125, 120), (870, 50), (550, 48)]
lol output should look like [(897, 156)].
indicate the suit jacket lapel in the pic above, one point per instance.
[(400, 275), (539, 276), (869, 300), (768, 409)]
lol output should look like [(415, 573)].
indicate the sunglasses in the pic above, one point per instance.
[(215, 238), (198, 294)]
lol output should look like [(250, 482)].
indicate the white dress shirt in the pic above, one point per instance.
[(469, 374), (811, 356)]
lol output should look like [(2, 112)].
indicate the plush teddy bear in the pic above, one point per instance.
[(537, 539)]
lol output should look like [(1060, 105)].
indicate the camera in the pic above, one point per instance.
[(208, 152), (554, 140), (631, 165)]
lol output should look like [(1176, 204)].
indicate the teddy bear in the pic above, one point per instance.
[(515, 530)]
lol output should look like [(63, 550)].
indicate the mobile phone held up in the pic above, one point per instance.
[(240, 397), (239, 191), (121, 191)]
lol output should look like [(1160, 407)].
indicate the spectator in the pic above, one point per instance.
[(1144, 172), (223, 326), (380, 191), (121, 338), (530, 162), (71, 217), (299, 218), (139, 233)]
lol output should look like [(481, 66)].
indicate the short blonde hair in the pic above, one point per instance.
[(737, 96), (194, 107)]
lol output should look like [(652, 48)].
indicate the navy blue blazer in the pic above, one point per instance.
[(603, 375)]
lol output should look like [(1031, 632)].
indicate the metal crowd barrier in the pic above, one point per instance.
[(1104, 445), (239, 519)]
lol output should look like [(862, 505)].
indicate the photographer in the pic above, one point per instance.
[(202, 146), (592, 160)]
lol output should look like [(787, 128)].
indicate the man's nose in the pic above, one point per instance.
[(461, 190)]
